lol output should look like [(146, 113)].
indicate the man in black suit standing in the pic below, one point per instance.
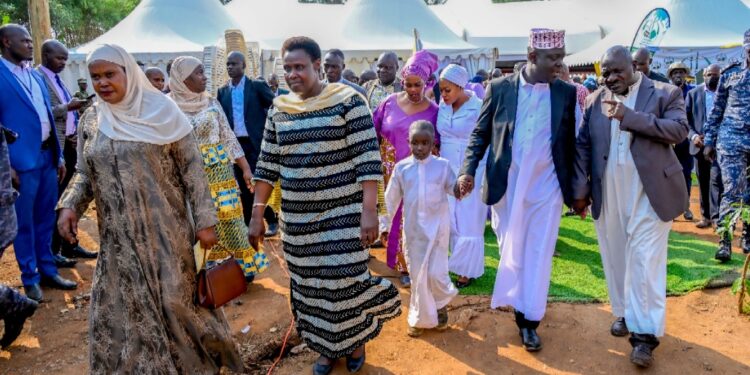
[(528, 123), (273, 83), (698, 104), (246, 102)]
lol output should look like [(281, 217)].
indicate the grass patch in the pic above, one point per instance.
[(577, 274)]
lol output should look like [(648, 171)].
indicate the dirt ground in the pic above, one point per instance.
[(704, 332)]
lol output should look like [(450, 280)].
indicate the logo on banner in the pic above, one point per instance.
[(652, 29)]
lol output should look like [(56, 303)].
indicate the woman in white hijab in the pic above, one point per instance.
[(457, 117), (219, 148), (139, 162)]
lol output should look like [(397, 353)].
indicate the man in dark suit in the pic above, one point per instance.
[(678, 73), (642, 63), (65, 110), (35, 160), (528, 123), (246, 102), (698, 104), (273, 83), (625, 163)]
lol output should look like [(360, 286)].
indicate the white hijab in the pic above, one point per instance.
[(144, 114), (188, 101)]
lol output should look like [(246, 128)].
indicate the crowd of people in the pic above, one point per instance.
[(410, 157)]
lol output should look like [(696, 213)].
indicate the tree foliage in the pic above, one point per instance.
[(74, 22)]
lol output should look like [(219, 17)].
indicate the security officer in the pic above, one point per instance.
[(14, 307), (727, 131)]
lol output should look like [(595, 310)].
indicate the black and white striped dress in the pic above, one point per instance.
[(321, 158)]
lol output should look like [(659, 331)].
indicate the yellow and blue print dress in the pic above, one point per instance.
[(219, 147)]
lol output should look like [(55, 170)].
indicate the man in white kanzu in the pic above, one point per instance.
[(528, 122), (626, 165)]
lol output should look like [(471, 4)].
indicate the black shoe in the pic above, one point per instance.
[(461, 285), (14, 323), (724, 254), (272, 230), (249, 278), (63, 262), (58, 282), (688, 215), (642, 355), (619, 328), (355, 364), (705, 223), (531, 341), (33, 292), (78, 252), (321, 369)]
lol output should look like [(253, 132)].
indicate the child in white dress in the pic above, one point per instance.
[(422, 181)]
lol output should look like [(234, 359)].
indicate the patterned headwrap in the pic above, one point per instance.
[(422, 64)]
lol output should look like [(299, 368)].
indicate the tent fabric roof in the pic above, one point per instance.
[(163, 26), (357, 26), (693, 25), (506, 26)]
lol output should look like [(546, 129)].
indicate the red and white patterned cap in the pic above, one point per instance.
[(546, 39)]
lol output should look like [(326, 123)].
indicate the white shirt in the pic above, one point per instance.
[(33, 91), (621, 139), (238, 108), (533, 113)]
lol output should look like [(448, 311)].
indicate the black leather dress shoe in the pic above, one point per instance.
[(272, 230), (58, 282), (33, 292), (63, 262), (642, 355), (14, 322), (531, 341), (78, 252), (619, 328)]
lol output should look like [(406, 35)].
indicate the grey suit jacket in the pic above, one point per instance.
[(657, 122), (59, 107), (695, 106)]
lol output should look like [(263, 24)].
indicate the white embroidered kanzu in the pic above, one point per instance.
[(632, 238), (423, 186), (527, 218)]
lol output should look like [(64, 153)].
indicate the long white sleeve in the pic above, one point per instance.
[(393, 194)]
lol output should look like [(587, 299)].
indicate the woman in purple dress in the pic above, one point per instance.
[(392, 120)]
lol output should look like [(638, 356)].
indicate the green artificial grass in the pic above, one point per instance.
[(577, 274)]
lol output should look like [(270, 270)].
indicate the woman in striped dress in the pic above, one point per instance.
[(219, 148), (320, 144)]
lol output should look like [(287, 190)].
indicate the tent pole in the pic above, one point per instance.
[(41, 27)]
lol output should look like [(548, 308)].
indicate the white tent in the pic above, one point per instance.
[(159, 30), (506, 26), (361, 28), (702, 32)]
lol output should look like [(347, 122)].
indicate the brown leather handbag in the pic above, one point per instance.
[(220, 283)]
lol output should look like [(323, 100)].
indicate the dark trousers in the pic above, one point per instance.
[(35, 211), (703, 172), (246, 196), (717, 189), (10, 301), (682, 150), (71, 157), (522, 322)]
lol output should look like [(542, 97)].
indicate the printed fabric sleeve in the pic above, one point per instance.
[(79, 192), (361, 140), (268, 167), (228, 138), (189, 163)]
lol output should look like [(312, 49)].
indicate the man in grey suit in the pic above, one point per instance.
[(698, 104), (625, 163), (65, 112)]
